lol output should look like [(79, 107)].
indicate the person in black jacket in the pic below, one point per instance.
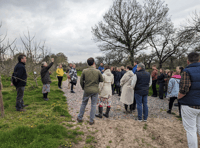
[(113, 72), (161, 82), (20, 77), (123, 71), (45, 77), (117, 78)]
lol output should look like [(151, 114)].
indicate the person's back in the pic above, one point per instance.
[(20, 74), (89, 82), (189, 98), (90, 79)]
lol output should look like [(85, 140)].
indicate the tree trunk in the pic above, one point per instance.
[(132, 58), (160, 64), (1, 101)]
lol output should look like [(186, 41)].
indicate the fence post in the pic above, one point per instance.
[(1, 99)]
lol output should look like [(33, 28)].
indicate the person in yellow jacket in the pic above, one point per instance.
[(60, 74)]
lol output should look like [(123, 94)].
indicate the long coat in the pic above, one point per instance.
[(127, 95), (105, 86)]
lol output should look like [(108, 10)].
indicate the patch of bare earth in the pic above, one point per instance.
[(156, 133)]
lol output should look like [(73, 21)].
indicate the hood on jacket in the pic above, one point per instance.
[(176, 76), (107, 72), (129, 73)]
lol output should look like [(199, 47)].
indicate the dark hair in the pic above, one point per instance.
[(181, 68), (193, 57), (106, 67), (154, 65), (90, 61), (129, 67), (21, 56), (137, 62), (171, 72)]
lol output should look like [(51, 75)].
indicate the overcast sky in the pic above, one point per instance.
[(66, 24)]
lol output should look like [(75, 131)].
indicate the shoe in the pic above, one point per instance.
[(100, 112), (91, 123), (79, 120), (46, 99), (60, 87), (24, 105), (169, 111), (72, 91), (144, 120), (107, 112), (21, 110), (136, 119), (160, 98), (153, 96)]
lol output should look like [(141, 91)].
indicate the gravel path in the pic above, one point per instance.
[(157, 107)]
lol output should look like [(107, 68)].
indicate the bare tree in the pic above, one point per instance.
[(128, 24), (35, 53), (167, 43)]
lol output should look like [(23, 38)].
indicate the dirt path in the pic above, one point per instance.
[(122, 131)]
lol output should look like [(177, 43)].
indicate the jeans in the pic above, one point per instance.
[(19, 99), (141, 100), (154, 88), (191, 123), (94, 98), (59, 81)]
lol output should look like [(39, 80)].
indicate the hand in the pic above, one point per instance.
[(52, 59), (11, 84)]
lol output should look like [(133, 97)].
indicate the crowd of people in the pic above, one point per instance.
[(132, 86)]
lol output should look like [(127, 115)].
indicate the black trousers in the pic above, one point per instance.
[(154, 88), (72, 86), (132, 106), (118, 89), (171, 102), (19, 99), (113, 89), (161, 90), (59, 81)]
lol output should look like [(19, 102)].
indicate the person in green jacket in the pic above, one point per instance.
[(90, 79)]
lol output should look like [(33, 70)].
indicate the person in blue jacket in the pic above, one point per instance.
[(101, 68), (135, 66)]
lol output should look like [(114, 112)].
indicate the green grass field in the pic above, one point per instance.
[(43, 125)]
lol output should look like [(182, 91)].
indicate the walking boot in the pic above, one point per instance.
[(169, 111), (100, 112), (107, 112)]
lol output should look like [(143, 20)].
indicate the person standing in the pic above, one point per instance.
[(143, 81), (123, 71), (19, 79), (68, 76), (161, 82), (154, 80), (189, 98), (135, 66), (73, 77), (127, 91), (117, 79), (105, 92), (90, 79), (60, 74), (46, 80), (101, 68), (173, 90)]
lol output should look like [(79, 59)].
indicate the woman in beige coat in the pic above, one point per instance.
[(105, 92), (127, 89)]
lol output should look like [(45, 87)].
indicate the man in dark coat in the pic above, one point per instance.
[(20, 77)]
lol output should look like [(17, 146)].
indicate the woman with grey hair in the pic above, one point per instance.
[(45, 77)]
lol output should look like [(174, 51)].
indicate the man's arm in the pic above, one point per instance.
[(185, 84)]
